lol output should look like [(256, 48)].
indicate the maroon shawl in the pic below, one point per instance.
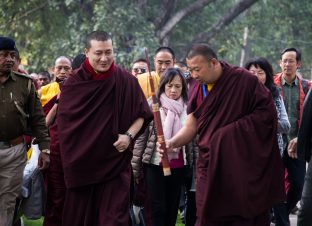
[(48, 106), (91, 114), (239, 171)]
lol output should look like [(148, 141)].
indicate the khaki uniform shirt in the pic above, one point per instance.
[(20, 108)]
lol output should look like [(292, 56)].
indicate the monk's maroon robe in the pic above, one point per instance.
[(54, 175), (239, 170), (91, 115), (55, 184)]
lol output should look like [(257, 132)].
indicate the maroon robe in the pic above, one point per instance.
[(91, 115), (239, 169), (55, 184), (54, 175), (48, 106)]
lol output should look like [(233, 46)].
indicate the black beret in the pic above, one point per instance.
[(7, 44)]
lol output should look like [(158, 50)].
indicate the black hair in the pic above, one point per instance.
[(17, 53), (78, 60), (264, 64), (165, 49), (45, 73), (201, 49), (169, 75), (96, 35), (139, 60), (292, 49)]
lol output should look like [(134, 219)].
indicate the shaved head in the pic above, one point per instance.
[(62, 58), (62, 68)]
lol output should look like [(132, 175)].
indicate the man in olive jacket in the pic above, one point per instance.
[(19, 108)]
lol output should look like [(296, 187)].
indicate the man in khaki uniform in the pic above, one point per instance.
[(19, 107)]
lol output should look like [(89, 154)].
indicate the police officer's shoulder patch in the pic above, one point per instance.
[(30, 81), (22, 75)]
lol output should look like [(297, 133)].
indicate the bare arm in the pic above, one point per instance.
[(39, 92), (186, 134), (136, 126), (51, 115)]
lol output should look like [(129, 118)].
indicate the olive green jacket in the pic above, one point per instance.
[(20, 108)]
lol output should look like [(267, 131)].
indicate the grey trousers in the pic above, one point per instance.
[(305, 211), (12, 163)]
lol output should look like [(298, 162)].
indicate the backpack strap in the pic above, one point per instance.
[(305, 87)]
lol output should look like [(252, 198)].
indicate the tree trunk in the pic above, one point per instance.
[(224, 21), (244, 47), (167, 27), (167, 7)]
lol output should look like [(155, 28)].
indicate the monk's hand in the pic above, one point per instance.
[(43, 161), (168, 146), (292, 148), (122, 143)]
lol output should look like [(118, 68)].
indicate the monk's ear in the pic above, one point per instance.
[(214, 61), (86, 52)]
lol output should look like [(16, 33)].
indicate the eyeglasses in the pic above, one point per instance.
[(288, 61), (139, 70)]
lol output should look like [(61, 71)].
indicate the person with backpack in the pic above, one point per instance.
[(293, 88)]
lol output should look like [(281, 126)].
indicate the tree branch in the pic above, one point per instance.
[(141, 6), (177, 17), (224, 21), (25, 14), (167, 8)]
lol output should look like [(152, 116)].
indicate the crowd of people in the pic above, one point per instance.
[(237, 139)]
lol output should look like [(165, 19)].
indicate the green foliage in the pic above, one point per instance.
[(276, 25), (130, 31), (45, 29), (33, 222)]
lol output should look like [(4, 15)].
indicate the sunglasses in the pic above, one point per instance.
[(139, 70)]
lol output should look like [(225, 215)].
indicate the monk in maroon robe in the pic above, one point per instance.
[(54, 176), (239, 170), (101, 110)]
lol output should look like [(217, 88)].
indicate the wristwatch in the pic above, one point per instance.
[(46, 151), (129, 135)]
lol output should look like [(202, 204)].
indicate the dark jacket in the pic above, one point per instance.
[(304, 145), (145, 146)]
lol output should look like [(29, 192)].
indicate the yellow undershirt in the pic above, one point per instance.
[(210, 86), (48, 92), (143, 80)]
